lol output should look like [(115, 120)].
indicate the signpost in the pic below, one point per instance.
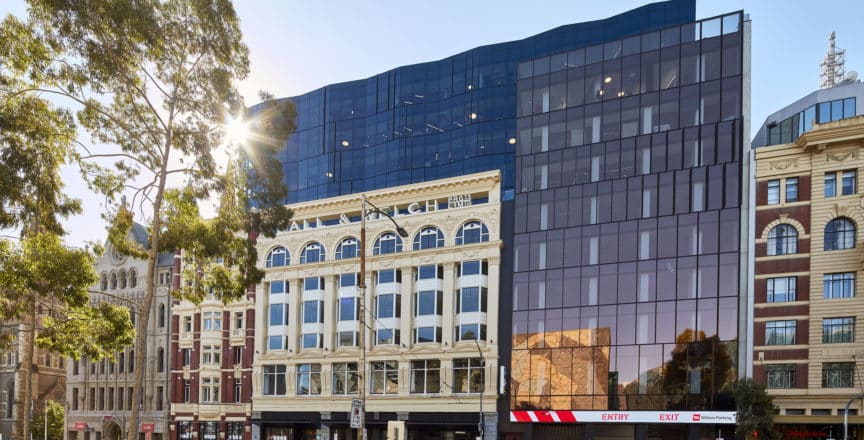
[(356, 413)]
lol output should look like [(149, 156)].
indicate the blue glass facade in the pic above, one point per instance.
[(438, 119), (620, 147)]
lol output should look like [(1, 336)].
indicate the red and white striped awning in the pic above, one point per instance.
[(706, 417)]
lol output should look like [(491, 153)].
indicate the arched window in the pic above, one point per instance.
[(122, 278), (782, 240), (113, 281), (133, 278), (312, 253), (348, 248), (161, 315), (428, 238), (103, 282), (160, 360), (278, 257), (839, 234), (472, 232), (387, 243)]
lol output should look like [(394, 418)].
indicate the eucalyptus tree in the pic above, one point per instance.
[(153, 83), (37, 271)]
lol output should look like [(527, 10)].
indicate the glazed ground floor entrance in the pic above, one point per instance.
[(336, 426), (622, 431)]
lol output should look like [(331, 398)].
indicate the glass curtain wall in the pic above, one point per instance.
[(627, 222), (433, 120)]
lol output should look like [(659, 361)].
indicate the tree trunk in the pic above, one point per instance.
[(147, 303), (25, 393)]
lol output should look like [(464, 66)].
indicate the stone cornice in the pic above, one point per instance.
[(485, 181), (845, 132)]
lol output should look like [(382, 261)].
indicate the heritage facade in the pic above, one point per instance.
[(99, 393), (211, 366), (431, 308), (808, 310)]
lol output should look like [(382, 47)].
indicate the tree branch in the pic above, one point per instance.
[(149, 104), (117, 297), (82, 102), (128, 156)]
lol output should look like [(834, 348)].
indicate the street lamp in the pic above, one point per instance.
[(846, 415), (361, 379), (481, 423)]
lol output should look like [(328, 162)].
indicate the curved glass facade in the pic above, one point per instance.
[(438, 119), (628, 212)]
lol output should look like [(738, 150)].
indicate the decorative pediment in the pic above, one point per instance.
[(426, 259), (783, 164), (840, 156), (348, 268)]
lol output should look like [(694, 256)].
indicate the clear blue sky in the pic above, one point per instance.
[(298, 46)]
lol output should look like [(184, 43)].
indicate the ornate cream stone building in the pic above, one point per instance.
[(432, 313), (808, 288), (99, 394)]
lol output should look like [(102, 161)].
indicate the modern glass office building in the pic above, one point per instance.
[(434, 120), (624, 274), (628, 261)]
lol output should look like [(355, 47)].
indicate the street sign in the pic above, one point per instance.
[(148, 427), (356, 412), (80, 426)]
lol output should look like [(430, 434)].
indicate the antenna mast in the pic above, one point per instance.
[(833, 66)]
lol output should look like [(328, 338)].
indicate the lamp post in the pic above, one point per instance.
[(846, 415), (481, 423), (361, 378)]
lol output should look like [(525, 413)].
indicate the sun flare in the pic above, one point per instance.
[(236, 131)]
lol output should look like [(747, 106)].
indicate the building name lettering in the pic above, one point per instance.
[(458, 201), (413, 208)]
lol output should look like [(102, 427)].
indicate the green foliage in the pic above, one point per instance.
[(42, 271), (755, 410), (55, 422), (151, 82), (94, 332), (118, 235), (35, 138)]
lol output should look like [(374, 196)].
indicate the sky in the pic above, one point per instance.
[(298, 46)]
